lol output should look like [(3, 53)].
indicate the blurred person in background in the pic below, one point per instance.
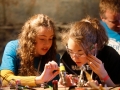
[(110, 16)]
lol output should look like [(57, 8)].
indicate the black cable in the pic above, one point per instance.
[(68, 67)]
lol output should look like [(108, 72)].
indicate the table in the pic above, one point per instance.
[(67, 88), (108, 88), (51, 89)]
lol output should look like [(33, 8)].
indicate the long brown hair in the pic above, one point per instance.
[(26, 50)]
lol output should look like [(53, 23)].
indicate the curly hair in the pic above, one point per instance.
[(113, 5), (86, 33), (26, 50)]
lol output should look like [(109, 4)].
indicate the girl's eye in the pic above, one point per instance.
[(80, 54), (42, 39), (51, 39), (70, 51)]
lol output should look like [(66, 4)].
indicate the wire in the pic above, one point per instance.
[(68, 67)]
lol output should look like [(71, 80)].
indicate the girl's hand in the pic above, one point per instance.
[(94, 84), (93, 81), (48, 73), (97, 66)]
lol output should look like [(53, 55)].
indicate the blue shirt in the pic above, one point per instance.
[(11, 61), (114, 37)]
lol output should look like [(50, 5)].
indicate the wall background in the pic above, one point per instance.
[(13, 14)]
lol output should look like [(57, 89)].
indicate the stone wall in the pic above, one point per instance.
[(13, 14)]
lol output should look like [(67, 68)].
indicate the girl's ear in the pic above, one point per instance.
[(102, 18), (95, 49), (95, 45)]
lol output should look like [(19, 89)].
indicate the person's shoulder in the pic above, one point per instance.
[(106, 47), (66, 57), (110, 50), (13, 44), (65, 54)]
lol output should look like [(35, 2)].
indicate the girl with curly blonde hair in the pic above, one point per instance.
[(32, 58)]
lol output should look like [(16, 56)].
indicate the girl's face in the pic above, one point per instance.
[(76, 52), (44, 40)]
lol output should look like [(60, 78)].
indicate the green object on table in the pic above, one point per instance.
[(50, 87)]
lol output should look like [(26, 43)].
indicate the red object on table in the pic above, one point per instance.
[(55, 84)]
